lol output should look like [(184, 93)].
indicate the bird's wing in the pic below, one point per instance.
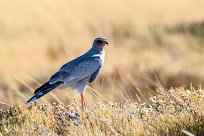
[(94, 75), (44, 89), (76, 70)]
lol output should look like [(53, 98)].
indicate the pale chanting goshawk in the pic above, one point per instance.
[(77, 73)]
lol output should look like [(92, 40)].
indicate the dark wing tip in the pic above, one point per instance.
[(44, 86)]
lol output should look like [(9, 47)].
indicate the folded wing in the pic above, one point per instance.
[(76, 70)]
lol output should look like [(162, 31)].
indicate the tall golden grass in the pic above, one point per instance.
[(154, 46)]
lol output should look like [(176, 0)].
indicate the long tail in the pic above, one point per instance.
[(44, 89)]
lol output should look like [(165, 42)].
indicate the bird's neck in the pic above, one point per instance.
[(98, 50)]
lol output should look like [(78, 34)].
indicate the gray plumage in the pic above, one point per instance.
[(77, 73)]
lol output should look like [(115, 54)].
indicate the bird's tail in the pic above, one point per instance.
[(44, 89)]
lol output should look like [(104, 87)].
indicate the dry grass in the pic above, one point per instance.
[(171, 112), (150, 41)]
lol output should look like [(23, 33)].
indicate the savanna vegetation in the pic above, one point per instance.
[(151, 83), (170, 112)]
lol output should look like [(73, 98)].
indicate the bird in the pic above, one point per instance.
[(77, 73)]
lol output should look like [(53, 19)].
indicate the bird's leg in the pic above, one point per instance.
[(83, 102)]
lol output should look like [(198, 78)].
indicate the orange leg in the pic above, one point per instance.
[(83, 102)]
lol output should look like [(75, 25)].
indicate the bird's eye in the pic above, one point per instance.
[(99, 41)]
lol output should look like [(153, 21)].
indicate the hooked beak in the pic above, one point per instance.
[(105, 42)]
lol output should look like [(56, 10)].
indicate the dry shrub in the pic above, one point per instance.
[(171, 112)]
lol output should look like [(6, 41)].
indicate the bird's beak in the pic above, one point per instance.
[(105, 42)]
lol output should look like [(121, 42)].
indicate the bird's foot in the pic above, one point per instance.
[(85, 111)]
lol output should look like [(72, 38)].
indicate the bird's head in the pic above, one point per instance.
[(100, 42)]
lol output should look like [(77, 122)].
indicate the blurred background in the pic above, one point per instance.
[(150, 43)]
